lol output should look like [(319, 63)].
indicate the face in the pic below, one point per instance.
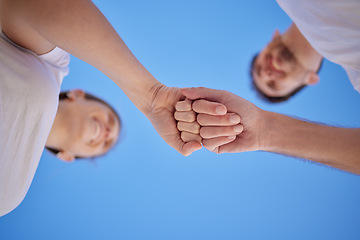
[(92, 127), (276, 71)]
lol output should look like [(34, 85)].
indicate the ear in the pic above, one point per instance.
[(276, 34), (75, 94), (65, 156), (312, 78)]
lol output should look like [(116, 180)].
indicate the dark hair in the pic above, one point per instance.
[(64, 95), (280, 98)]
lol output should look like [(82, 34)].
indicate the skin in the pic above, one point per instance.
[(190, 123), (272, 132), (286, 63), (40, 25), (83, 128)]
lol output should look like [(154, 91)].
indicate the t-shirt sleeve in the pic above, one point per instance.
[(58, 60)]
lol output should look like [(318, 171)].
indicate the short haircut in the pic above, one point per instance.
[(275, 99), (64, 95)]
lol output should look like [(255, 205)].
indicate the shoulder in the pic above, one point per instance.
[(17, 27)]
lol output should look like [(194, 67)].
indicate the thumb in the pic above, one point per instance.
[(232, 147), (202, 92), (190, 147)]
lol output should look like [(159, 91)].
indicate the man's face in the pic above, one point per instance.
[(92, 127), (276, 71)]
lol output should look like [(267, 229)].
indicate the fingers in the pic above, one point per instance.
[(213, 144), (184, 111), (184, 105), (189, 116), (187, 125), (193, 127), (190, 137), (212, 108), (206, 121), (190, 147), (228, 119), (213, 132)]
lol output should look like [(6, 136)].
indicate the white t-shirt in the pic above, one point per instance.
[(29, 91), (332, 27)]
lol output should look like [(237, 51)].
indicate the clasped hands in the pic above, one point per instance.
[(223, 122), (207, 122), (219, 120)]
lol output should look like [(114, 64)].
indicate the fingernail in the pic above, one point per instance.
[(231, 137), (238, 128), (221, 110), (235, 118)]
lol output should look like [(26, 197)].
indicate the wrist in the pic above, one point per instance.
[(140, 91), (268, 130), (151, 97)]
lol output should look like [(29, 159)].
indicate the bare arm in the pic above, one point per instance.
[(78, 27), (333, 146), (273, 132)]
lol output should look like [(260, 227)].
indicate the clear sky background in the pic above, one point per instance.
[(143, 189)]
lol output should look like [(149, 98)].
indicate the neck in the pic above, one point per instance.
[(301, 48), (58, 130)]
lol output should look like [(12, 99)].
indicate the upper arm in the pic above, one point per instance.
[(16, 27)]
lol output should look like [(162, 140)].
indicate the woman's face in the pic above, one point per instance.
[(92, 127)]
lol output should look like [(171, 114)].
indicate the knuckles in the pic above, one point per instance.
[(185, 116), (189, 137), (193, 127), (191, 117)]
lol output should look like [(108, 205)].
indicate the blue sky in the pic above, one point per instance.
[(143, 189)]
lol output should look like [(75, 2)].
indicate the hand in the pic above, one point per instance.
[(161, 115), (189, 125), (213, 134)]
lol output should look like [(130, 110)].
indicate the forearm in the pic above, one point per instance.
[(78, 27), (333, 146)]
